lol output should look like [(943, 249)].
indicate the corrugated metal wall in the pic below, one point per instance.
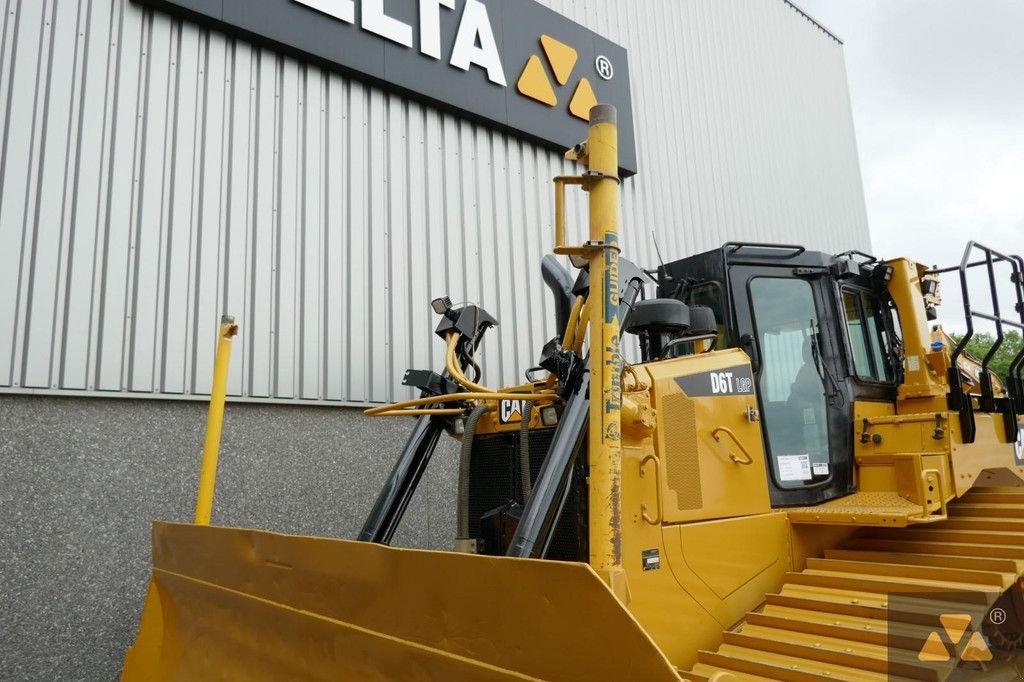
[(154, 174)]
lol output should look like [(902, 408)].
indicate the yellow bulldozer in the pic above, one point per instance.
[(798, 477)]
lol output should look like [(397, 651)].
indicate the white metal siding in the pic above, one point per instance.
[(155, 174)]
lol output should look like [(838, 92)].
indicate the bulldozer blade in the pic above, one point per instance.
[(232, 604)]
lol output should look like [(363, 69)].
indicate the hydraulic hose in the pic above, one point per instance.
[(569, 338), (452, 365), (465, 457), (524, 450), (403, 407)]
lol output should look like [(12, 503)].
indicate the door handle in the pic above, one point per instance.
[(746, 459)]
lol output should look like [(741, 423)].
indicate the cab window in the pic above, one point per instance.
[(791, 380), (867, 336)]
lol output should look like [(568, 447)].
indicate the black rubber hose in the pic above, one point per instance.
[(560, 283), (524, 450), (465, 458)]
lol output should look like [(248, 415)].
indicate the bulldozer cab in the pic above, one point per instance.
[(822, 334)]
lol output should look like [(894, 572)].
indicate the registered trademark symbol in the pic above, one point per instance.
[(604, 68), (997, 616)]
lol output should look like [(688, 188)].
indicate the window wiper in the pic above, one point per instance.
[(831, 385)]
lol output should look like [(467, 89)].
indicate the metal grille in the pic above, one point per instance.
[(494, 481), (682, 462)]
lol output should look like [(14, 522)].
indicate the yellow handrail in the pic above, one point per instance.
[(215, 421)]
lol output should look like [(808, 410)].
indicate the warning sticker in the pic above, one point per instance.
[(794, 467), (1019, 447), (651, 559), (913, 363), (820, 468)]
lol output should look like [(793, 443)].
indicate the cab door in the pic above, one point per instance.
[(783, 323)]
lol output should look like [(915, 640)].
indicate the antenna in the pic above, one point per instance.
[(664, 272)]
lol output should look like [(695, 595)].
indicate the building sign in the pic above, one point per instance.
[(512, 64)]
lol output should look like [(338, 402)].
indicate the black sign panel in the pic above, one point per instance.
[(736, 380), (512, 64)]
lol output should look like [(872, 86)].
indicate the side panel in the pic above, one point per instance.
[(710, 455)]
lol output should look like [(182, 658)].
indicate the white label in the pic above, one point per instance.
[(1019, 447), (795, 468), (913, 363), (820, 468)]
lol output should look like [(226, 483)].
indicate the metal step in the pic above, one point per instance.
[(837, 619), (1009, 511)]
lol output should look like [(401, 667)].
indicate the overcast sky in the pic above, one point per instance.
[(938, 101)]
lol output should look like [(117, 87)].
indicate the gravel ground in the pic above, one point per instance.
[(81, 479)]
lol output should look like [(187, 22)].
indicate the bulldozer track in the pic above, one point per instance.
[(844, 616)]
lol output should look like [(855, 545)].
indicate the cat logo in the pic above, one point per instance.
[(511, 411), (562, 59), (956, 626)]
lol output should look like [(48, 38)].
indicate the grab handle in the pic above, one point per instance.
[(746, 459)]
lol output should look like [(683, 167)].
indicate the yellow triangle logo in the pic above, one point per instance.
[(561, 57), (583, 101), (977, 649), (534, 83), (933, 651), (955, 625)]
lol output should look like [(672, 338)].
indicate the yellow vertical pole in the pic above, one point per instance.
[(605, 439), (215, 421)]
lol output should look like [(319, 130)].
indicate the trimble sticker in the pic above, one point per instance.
[(736, 380)]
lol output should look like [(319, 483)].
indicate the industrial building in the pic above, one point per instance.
[(163, 163)]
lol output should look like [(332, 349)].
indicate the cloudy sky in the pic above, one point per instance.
[(938, 99)]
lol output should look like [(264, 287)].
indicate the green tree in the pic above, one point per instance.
[(981, 343)]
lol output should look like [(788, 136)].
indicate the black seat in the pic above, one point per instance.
[(659, 316)]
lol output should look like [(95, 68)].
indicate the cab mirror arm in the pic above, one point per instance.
[(750, 348)]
